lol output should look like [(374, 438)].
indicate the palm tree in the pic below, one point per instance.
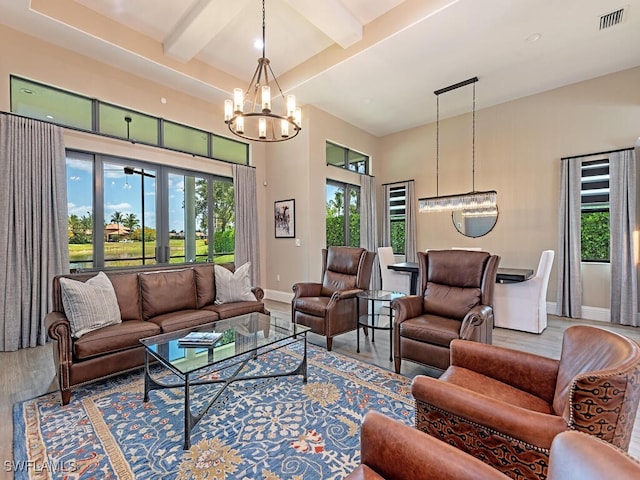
[(117, 218), (131, 221)]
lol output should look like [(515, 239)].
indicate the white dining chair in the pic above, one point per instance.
[(392, 280), (523, 305)]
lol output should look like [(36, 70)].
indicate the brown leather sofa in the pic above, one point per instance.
[(455, 300), (506, 406), (329, 308), (393, 451), (152, 301)]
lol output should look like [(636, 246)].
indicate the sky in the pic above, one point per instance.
[(123, 193)]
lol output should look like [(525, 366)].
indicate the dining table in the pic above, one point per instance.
[(504, 274)]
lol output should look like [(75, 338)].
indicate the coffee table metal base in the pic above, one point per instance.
[(191, 419)]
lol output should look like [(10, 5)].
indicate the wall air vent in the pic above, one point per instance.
[(611, 19)]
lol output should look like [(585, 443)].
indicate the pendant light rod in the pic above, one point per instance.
[(464, 83)]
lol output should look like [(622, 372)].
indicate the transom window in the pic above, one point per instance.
[(346, 158), (67, 109)]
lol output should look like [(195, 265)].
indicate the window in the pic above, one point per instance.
[(398, 217), (343, 218), (50, 104), (348, 159), (148, 214), (594, 211)]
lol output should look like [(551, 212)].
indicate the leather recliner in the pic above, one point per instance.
[(329, 308), (454, 301), (506, 406), (393, 451)]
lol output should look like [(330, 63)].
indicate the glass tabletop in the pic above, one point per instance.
[(380, 295), (240, 335)]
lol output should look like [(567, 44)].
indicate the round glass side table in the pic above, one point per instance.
[(374, 320)]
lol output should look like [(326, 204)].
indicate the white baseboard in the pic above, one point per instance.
[(597, 314), (278, 296)]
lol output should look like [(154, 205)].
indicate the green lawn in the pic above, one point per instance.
[(133, 250)]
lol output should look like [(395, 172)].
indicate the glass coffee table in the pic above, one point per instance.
[(374, 320), (243, 339)]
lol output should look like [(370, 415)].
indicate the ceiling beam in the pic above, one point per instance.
[(200, 24), (331, 18)]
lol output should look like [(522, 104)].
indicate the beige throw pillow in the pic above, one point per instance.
[(89, 305), (233, 286)]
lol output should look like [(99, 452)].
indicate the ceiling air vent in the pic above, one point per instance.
[(611, 19)]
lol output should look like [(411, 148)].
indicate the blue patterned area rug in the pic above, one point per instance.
[(272, 429)]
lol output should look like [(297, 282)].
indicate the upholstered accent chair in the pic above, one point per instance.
[(506, 406), (523, 305), (454, 301), (391, 280), (393, 451), (329, 308)]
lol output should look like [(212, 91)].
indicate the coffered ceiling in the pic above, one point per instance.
[(373, 63)]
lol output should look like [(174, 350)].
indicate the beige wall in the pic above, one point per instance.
[(518, 149)]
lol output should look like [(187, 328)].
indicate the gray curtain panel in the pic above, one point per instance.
[(369, 225), (33, 226), (569, 292), (246, 203), (623, 224)]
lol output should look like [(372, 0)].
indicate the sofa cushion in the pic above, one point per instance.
[(448, 301), (167, 291), (431, 329), (312, 305), (170, 322), (495, 389), (233, 286), (233, 309), (89, 305), (113, 338), (126, 287), (205, 285)]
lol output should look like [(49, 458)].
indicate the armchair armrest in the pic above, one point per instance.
[(406, 308), (396, 451), (474, 318), (535, 428), (526, 371), (307, 289), (258, 292), (59, 330)]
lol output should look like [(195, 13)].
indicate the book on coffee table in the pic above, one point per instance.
[(199, 339)]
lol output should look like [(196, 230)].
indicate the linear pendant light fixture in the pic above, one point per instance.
[(259, 122), (471, 203)]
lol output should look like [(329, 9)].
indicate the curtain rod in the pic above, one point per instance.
[(598, 153), (401, 181)]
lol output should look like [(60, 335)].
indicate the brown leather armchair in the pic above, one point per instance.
[(329, 308), (455, 301), (393, 451), (506, 406)]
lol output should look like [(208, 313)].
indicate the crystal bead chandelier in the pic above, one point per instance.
[(472, 203), (250, 115)]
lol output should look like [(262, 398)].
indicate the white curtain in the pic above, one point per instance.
[(246, 224), (623, 224), (369, 225), (569, 292), (33, 226)]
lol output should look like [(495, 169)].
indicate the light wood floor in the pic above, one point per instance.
[(30, 372)]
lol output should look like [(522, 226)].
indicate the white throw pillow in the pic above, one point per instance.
[(89, 305), (233, 286)]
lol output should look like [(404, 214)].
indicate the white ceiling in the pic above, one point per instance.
[(373, 63)]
